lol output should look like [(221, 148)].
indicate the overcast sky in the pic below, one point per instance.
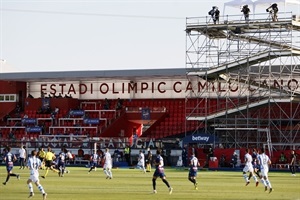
[(67, 35)]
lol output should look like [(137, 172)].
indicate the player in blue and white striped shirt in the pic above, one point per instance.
[(34, 164), (194, 163), (61, 162), (95, 159), (264, 161), (9, 159), (160, 172)]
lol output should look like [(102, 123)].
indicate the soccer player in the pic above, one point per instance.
[(256, 166), (34, 164), (254, 162), (194, 163), (264, 161), (107, 164), (61, 164), (9, 160), (249, 168), (95, 160), (49, 157), (159, 172), (141, 161)]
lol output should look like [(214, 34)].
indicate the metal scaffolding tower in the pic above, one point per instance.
[(245, 78)]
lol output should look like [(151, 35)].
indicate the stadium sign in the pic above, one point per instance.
[(29, 121), (71, 141), (91, 121), (35, 129), (153, 88), (200, 138)]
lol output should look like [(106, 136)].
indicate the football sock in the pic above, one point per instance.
[(30, 187), (192, 180), (154, 184), (245, 177), (41, 189), (109, 173), (166, 182), (255, 178), (7, 178), (105, 172), (263, 181), (268, 183)]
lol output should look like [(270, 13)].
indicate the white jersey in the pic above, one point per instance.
[(34, 164), (108, 160), (141, 159), (248, 159), (248, 163), (22, 153)]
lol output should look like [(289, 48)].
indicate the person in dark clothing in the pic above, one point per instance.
[(273, 10), (184, 156), (215, 14), (234, 159), (149, 160), (293, 163), (127, 152), (245, 10)]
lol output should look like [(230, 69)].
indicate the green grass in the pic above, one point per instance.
[(133, 184)]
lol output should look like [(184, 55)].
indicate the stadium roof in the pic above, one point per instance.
[(91, 75)]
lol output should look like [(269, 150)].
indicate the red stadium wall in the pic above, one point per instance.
[(12, 87), (122, 128)]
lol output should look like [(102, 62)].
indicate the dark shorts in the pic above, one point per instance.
[(93, 164), (159, 172), (193, 172), (48, 163), (9, 168), (61, 164)]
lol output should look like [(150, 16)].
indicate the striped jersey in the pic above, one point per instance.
[(34, 164), (263, 160)]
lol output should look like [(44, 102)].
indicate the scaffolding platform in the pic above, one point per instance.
[(244, 75)]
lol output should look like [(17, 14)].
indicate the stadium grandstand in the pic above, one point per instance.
[(239, 89)]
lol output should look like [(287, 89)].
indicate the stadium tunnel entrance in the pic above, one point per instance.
[(202, 145)]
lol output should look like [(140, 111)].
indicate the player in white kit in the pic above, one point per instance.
[(107, 164), (249, 168), (264, 161), (34, 164), (141, 161)]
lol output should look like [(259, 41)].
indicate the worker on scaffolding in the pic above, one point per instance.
[(273, 10), (215, 14), (246, 10)]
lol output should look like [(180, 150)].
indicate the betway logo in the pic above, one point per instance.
[(200, 138)]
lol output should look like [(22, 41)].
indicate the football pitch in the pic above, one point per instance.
[(133, 184)]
